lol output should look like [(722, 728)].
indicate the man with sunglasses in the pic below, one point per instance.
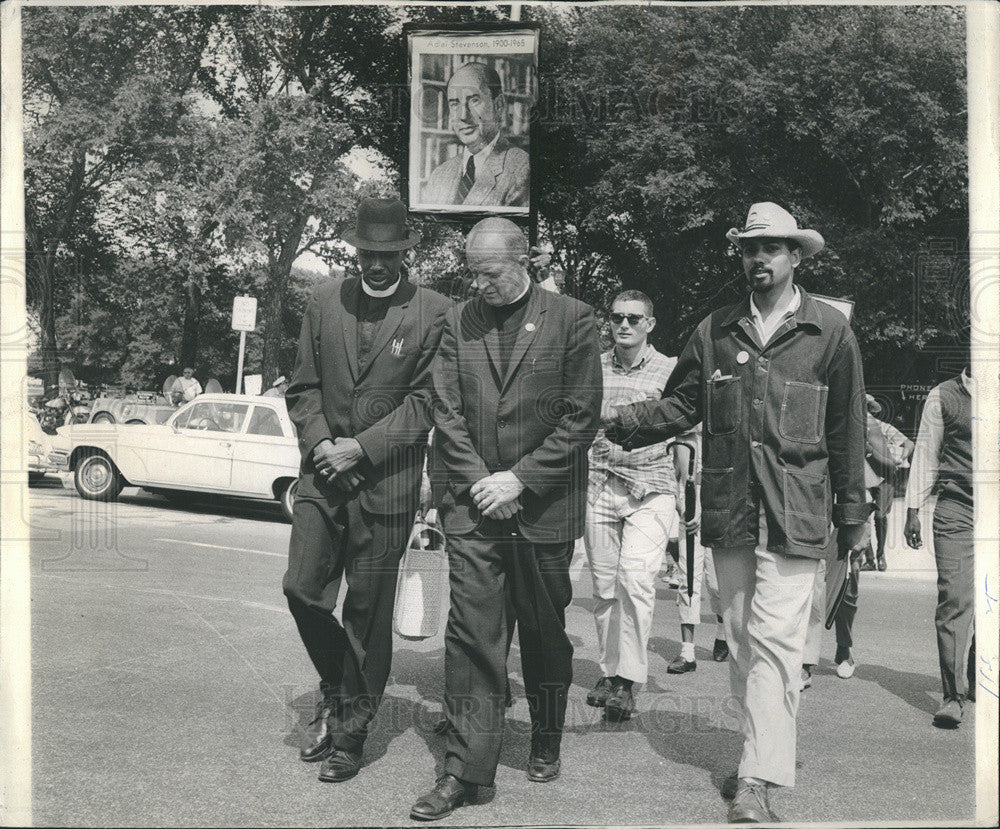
[(631, 504), (777, 380)]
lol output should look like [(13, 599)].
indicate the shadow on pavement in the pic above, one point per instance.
[(916, 690)]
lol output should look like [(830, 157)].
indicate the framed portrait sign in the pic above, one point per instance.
[(472, 91)]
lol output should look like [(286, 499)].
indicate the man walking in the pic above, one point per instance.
[(359, 399), (630, 512), (777, 380), (942, 462), (517, 399)]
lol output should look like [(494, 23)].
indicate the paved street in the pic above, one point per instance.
[(168, 682)]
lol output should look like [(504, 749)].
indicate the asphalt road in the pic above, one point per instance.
[(169, 682)]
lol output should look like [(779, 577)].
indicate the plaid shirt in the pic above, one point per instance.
[(645, 470)]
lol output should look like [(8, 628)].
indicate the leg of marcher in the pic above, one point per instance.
[(603, 540), (720, 650), (542, 591), (776, 633), (475, 654), (814, 635), (688, 607), (375, 546), (311, 584)]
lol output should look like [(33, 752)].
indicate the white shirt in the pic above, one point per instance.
[(925, 464), (188, 386), (479, 159), (384, 292), (767, 327)]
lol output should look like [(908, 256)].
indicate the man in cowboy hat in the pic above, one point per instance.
[(359, 400), (777, 380)]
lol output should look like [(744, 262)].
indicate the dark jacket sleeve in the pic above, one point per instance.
[(846, 428), (410, 421), (680, 408), (304, 398), (452, 443), (583, 389)]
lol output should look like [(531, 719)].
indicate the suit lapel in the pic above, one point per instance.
[(486, 181), (349, 316), (526, 334), (393, 319)]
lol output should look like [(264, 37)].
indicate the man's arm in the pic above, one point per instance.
[(410, 421), (924, 466), (304, 398), (846, 430), (452, 441), (680, 409), (583, 387)]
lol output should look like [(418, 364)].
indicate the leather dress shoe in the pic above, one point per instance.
[(681, 666), (750, 804), (339, 766), (448, 794), (543, 771), (880, 563), (621, 703), (949, 715), (720, 653), (601, 692), (730, 786), (318, 736)]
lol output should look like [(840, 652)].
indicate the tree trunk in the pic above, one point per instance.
[(189, 335), (279, 270), (47, 322)]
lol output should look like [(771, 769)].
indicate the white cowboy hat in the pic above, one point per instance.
[(772, 221)]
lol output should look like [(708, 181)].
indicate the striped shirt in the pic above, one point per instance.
[(645, 470)]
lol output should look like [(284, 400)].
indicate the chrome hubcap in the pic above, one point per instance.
[(96, 475)]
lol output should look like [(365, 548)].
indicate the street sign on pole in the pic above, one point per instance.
[(244, 313), (244, 319)]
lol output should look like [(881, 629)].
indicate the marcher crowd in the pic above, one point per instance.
[(757, 447)]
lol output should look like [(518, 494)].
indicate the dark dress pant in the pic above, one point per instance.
[(490, 567), (956, 608), (332, 540)]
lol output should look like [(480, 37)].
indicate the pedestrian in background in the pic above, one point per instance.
[(942, 464), (777, 380), (359, 399), (185, 388)]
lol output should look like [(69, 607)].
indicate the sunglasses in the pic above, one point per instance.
[(633, 319)]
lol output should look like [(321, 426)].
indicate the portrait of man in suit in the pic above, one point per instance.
[(359, 398), (488, 171), (517, 399)]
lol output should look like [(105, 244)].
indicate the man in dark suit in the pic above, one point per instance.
[(517, 398), (359, 398)]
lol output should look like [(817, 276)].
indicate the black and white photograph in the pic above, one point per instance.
[(533, 414), (471, 95)]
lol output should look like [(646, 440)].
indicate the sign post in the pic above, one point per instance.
[(244, 319)]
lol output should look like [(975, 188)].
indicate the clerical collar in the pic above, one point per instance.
[(521, 298), (380, 294)]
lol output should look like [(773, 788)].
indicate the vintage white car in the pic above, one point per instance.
[(229, 444)]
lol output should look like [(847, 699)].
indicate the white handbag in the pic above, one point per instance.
[(421, 587)]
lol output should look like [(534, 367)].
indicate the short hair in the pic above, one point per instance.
[(187, 368), (487, 75), (631, 295), (510, 237)]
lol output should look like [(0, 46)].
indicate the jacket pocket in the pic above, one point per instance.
[(725, 400), (807, 508), (716, 503), (803, 412)]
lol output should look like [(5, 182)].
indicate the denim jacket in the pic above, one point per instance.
[(784, 426)]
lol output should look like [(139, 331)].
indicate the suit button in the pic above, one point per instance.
[(501, 424), (755, 444), (357, 393)]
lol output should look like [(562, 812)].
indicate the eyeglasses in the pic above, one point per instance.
[(633, 319)]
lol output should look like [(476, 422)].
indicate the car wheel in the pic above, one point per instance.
[(103, 417), (97, 478), (288, 498)]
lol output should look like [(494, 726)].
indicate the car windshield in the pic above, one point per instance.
[(213, 416)]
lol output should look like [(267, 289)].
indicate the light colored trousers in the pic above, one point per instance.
[(817, 619), (626, 539), (689, 609), (766, 599)]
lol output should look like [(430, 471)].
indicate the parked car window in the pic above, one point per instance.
[(264, 421), (214, 416)]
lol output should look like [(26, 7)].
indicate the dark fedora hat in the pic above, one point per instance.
[(381, 225)]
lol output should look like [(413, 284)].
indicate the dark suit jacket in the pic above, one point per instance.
[(384, 406), (537, 421)]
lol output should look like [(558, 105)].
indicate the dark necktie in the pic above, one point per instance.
[(468, 179)]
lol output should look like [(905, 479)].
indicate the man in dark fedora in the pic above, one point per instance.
[(777, 381), (359, 399)]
